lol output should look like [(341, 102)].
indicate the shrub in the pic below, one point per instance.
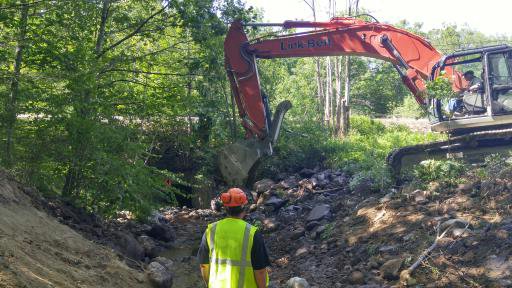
[(447, 171), (361, 154)]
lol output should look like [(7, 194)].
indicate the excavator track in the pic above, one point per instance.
[(471, 148)]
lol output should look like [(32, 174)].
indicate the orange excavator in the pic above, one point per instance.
[(481, 125)]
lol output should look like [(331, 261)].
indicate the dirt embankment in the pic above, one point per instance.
[(38, 251)]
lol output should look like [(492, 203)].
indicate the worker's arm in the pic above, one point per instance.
[(205, 272), (261, 277)]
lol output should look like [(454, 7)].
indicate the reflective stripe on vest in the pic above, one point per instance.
[(225, 270)]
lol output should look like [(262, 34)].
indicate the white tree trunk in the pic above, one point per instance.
[(328, 92), (337, 76)]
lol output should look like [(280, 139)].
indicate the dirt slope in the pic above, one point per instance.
[(37, 251)]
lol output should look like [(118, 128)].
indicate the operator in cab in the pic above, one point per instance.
[(474, 83), (232, 253), (455, 105)]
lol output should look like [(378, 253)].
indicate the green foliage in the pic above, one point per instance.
[(440, 88), (410, 109), (496, 166), (329, 229), (447, 171), (97, 101), (361, 154)]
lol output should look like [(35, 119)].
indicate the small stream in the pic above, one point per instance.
[(186, 272)]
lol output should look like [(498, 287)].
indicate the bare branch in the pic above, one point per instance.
[(148, 72), (310, 6), (134, 32)]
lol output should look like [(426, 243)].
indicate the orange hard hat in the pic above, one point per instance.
[(233, 197)]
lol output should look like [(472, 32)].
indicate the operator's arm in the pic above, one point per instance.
[(261, 277), (203, 257), (205, 273), (259, 260)]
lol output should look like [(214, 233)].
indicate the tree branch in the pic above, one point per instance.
[(147, 72), (309, 5), (134, 32)]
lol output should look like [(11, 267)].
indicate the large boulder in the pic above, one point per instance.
[(297, 282), (128, 245), (151, 248), (319, 212), (162, 232), (159, 275), (263, 185)]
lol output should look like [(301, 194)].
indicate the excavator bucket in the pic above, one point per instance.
[(239, 160)]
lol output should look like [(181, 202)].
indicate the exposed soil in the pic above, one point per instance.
[(38, 251)]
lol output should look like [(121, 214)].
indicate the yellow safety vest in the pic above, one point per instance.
[(230, 242)]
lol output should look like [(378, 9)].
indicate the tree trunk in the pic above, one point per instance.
[(11, 103), (339, 102), (103, 23), (345, 105), (328, 92)]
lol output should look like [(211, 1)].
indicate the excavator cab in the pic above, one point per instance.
[(490, 104)]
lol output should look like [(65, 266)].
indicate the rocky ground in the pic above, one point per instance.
[(315, 227), (319, 230)]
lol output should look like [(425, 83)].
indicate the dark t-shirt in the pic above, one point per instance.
[(259, 255)]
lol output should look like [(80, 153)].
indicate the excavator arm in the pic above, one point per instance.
[(412, 56)]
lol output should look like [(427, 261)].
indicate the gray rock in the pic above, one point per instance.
[(388, 249), (270, 225), (151, 248), (297, 282), (301, 251), (311, 225), (465, 187), (306, 173), (263, 185), (290, 182), (289, 214), (390, 269), (275, 203), (297, 233), (319, 212), (159, 275), (356, 277), (129, 246), (162, 232), (318, 232), (386, 198), (340, 180), (167, 263)]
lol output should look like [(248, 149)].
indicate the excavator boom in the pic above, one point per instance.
[(414, 58)]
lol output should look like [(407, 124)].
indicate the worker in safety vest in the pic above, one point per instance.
[(232, 253)]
